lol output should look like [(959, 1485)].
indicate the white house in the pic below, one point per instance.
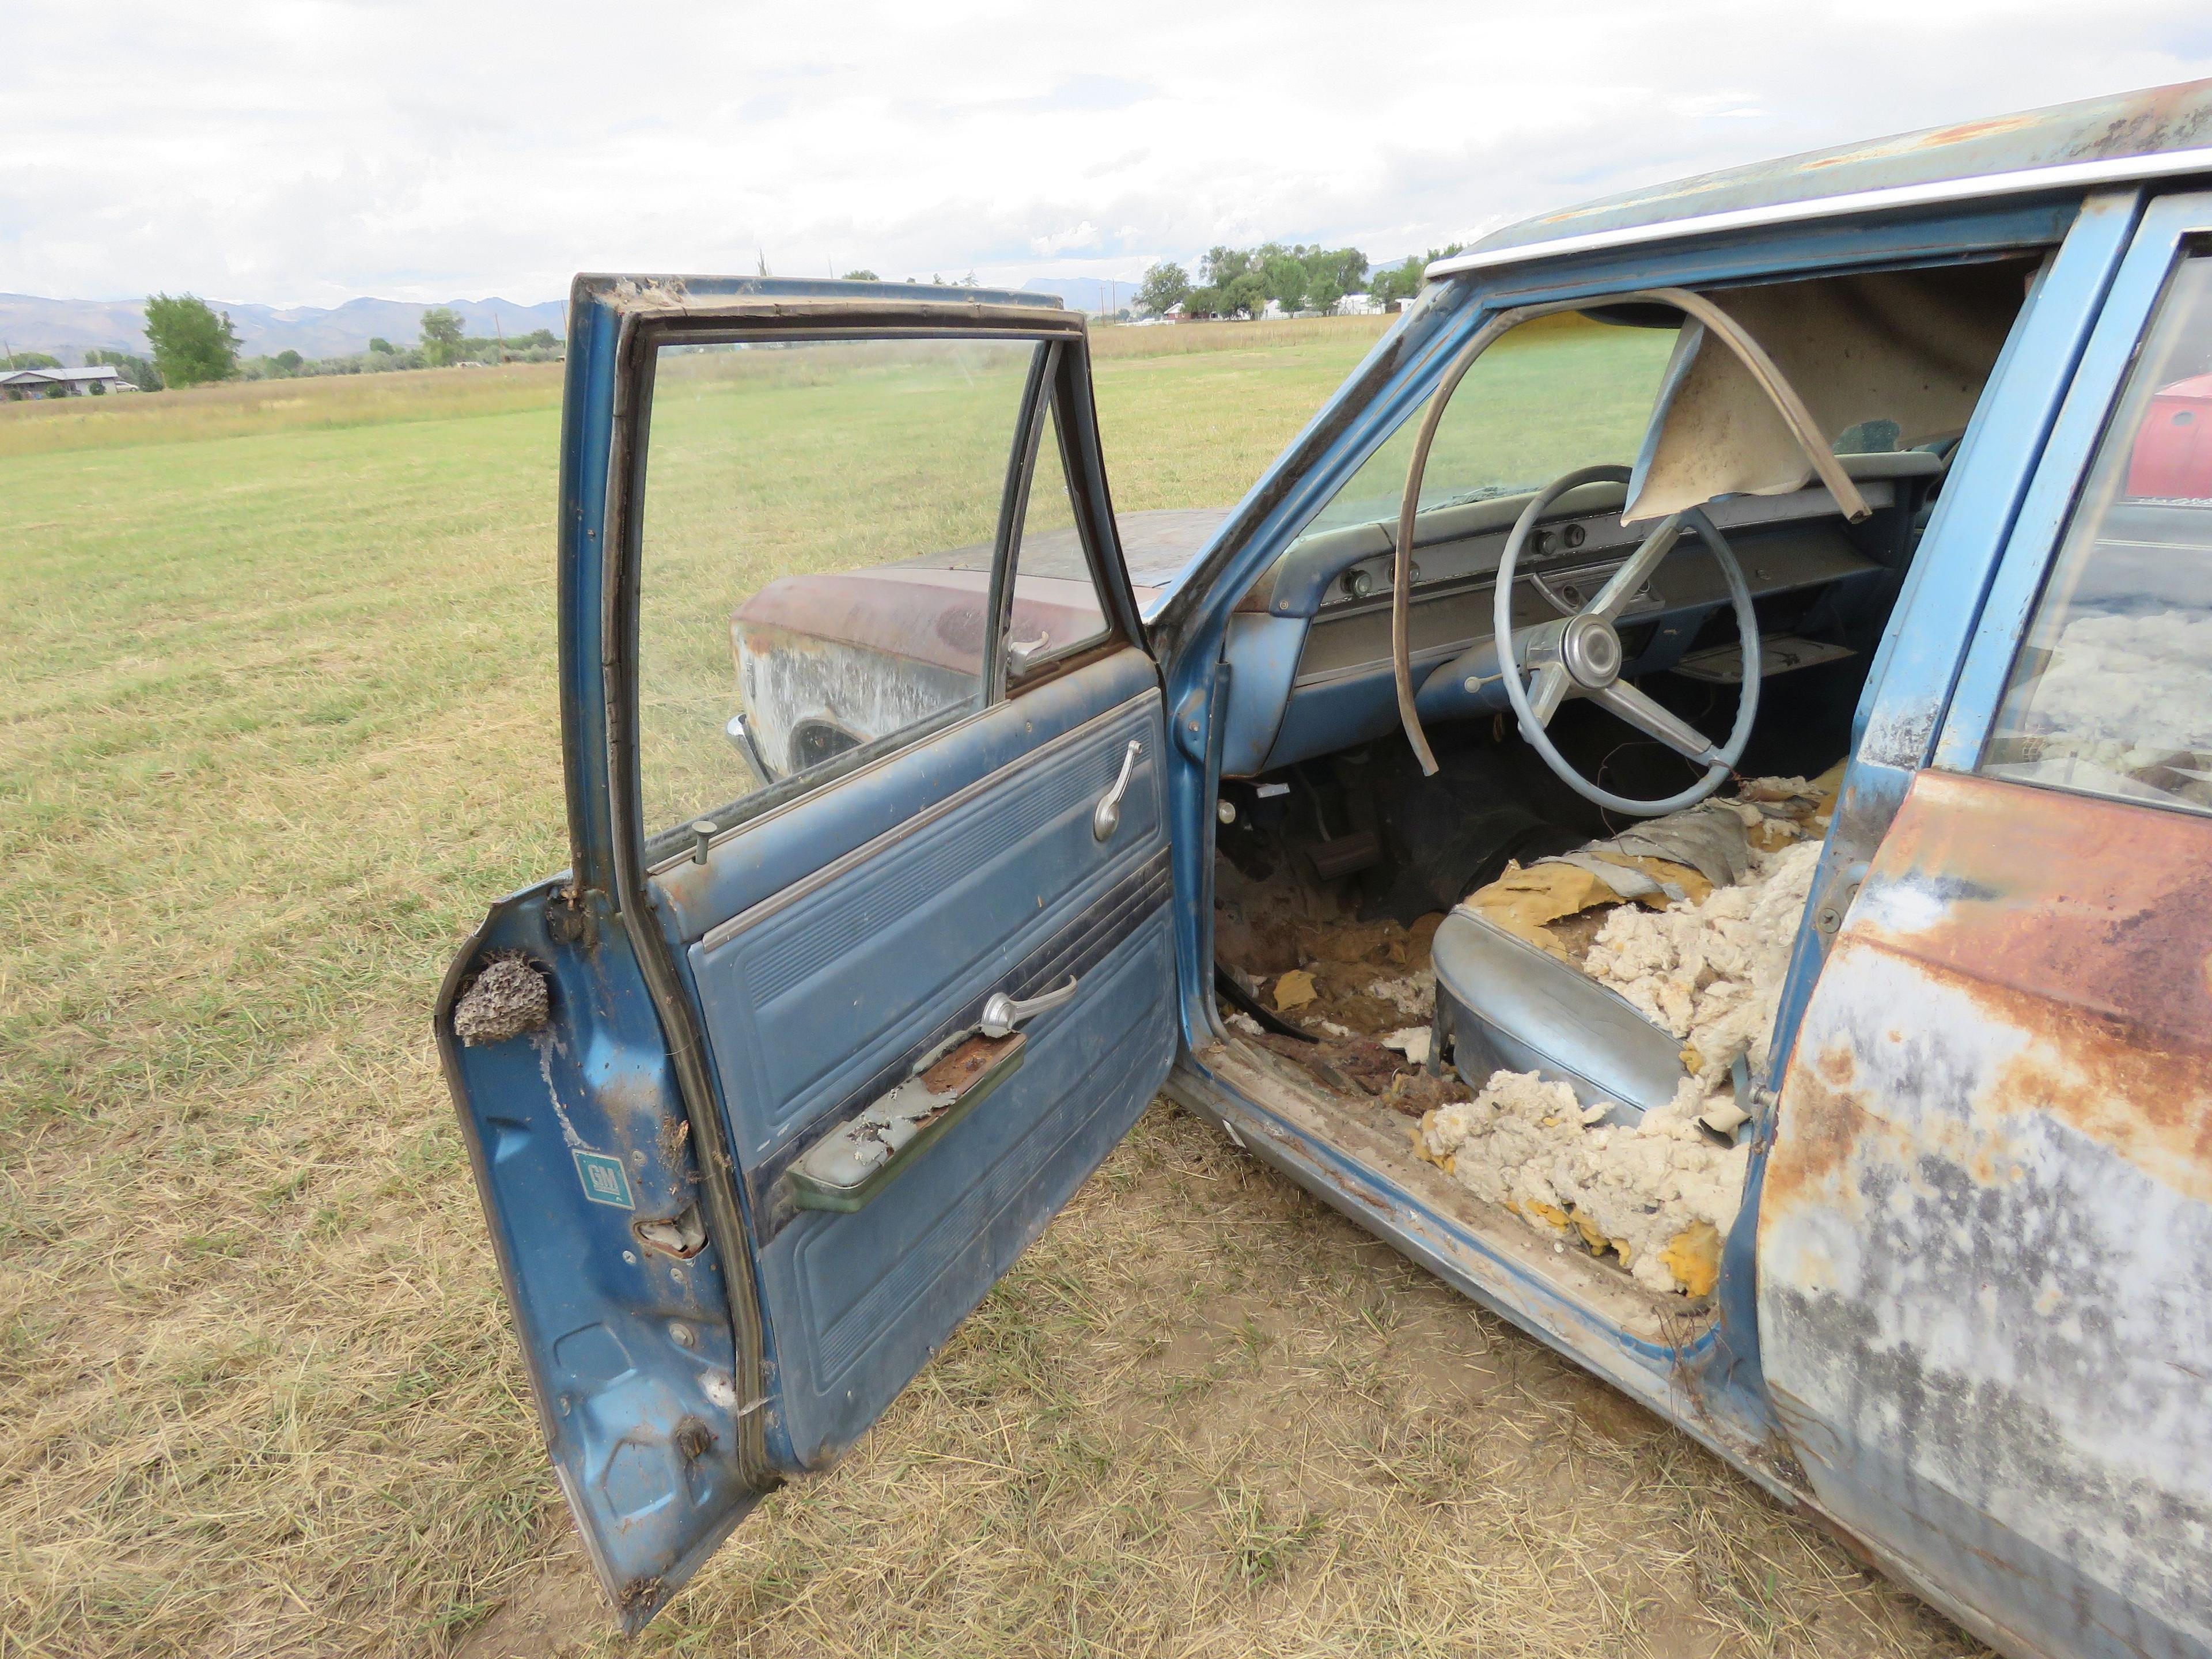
[(21, 383)]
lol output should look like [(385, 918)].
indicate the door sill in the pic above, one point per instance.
[(1591, 1313)]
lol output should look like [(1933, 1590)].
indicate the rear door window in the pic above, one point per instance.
[(2112, 692)]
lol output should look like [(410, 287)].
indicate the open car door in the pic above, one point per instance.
[(865, 959)]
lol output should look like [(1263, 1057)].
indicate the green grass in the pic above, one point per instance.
[(279, 721)]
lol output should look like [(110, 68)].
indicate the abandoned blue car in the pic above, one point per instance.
[(1682, 801)]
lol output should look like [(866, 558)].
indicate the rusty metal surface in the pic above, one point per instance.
[(2159, 121), (1985, 1241)]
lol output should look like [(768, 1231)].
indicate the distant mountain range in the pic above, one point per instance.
[(67, 329)]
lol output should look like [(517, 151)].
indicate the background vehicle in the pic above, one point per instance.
[(818, 1031)]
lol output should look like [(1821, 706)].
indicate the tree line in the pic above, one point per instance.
[(1239, 282), (192, 343)]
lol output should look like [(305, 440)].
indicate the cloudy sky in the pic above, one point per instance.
[(307, 151)]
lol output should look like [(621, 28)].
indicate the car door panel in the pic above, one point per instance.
[(948, 907), (940, 1236), (1003, 886), (1988, 1209), (1989, 1203)]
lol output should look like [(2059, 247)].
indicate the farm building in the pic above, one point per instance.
[(17, 384)]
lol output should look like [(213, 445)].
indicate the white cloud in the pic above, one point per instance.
[(1080, 236), (305, 151)]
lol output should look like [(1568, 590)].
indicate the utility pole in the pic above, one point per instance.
[(499, 339)]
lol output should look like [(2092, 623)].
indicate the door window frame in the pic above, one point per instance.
[(2171, 227), (1059, 381)]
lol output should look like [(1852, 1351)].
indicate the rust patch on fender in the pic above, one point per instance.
[(2103, 906), (2082, 928), (1990, 1197), (1826, 1121)]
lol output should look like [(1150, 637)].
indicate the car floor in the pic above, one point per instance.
[(1353, 986), (1340, 1001)]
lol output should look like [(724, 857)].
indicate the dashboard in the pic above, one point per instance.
[(1309, 645)]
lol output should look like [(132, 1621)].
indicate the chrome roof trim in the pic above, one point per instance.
[(2118, 169)]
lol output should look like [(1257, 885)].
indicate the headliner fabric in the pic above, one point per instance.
[(1914, 347)]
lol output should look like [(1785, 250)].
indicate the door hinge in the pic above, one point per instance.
[(568, 920)]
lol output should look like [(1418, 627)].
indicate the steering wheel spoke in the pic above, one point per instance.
[(1653, 720), (1614, 596), (1546, 692)]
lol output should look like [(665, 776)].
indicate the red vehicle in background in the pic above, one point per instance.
[(2172, 459)]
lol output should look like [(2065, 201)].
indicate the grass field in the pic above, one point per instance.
[(280, 721)]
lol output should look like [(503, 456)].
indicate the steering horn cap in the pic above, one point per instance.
[(1590, 650)]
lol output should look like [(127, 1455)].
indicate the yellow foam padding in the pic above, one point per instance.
[(1694, 1256)]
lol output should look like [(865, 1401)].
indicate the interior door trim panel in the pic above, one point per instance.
[(946, 1231), (1080, 949), (777, 853), (834, 987), (943, 912)]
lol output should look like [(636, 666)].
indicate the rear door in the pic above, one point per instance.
[(866, 958), (1986, 1229)]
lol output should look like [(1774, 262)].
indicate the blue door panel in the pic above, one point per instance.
[(630, 1347), (807, 1007), (871, 1295), (816, 1000), (782, 850)]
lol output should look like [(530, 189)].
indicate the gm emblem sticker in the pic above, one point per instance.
[(606, 1181)]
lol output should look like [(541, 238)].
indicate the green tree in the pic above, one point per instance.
[(377, 343), (442, 337), (862, 275), (1166, 285), (1247, 294), (288, 361), (1323, 296), (1403, 282), (1344, 269), (1223, 265), (30, 359), (136, 370), (192, 343), (1284, 278)]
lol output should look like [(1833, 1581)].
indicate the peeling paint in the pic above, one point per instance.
[(1987, 1217), (546, 1042)]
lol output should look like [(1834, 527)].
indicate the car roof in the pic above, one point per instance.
[(2158, 133)]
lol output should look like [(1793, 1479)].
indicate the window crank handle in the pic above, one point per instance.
[(1001, 1013), (1107, 819)]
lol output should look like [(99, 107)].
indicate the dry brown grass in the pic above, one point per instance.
[(1206, 1416), (278, 720), (1181, 339)]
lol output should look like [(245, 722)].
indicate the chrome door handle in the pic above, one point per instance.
[(1001, 1013), (1107, 819)]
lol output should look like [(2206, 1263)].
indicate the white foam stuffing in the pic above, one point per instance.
[(1527, 1145), (1711, 972), (1412, 1043), (1415, 993)]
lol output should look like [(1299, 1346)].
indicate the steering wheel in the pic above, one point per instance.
[(1583, 652)]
